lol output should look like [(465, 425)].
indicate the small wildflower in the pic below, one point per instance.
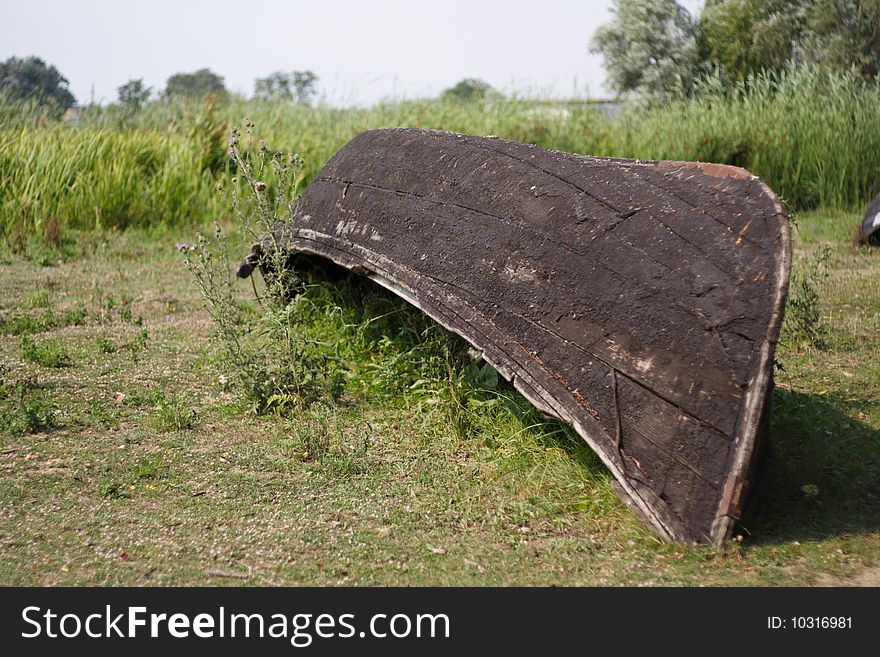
[(181, 246), (229, 151), (223, 380), (216, 224), (230, 140)]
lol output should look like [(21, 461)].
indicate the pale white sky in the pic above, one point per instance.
[(362, 51)]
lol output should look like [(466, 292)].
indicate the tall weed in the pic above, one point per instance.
[(275, 366)]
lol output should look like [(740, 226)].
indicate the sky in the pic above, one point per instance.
[(362, 52)]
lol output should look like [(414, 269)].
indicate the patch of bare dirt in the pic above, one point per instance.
[(866, 577)]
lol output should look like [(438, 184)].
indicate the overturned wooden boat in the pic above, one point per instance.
[(869, 230), (638, 301)]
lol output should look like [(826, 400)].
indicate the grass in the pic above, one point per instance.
[(49, 353), (813, 137), (810, 135), (94, 178), (24, 323), (25, 409), (174, 413), (140, 466)]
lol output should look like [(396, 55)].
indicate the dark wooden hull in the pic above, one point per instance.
[(638, 301), (869, 229)]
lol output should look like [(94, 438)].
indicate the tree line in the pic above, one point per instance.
[(655, 48), (30, 78), (651, 49)]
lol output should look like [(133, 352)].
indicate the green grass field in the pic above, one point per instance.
[(128, 461)]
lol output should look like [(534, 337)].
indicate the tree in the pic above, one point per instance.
[(746, 36), (297, 85), (843, 34), (203, 82), (650, 48), (31, 79), (133, 94), (467, 90), (274, 87), (304, 86)]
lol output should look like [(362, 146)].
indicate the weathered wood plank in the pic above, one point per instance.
[(638, 301)]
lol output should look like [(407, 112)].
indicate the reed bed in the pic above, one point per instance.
[(812, 136), (92, 178)]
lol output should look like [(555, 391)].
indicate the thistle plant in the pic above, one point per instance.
[(267, 208), (269, 359)]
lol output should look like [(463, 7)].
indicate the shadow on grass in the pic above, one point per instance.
[(822, 477)]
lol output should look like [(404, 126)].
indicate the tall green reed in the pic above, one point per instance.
[(814, 137)]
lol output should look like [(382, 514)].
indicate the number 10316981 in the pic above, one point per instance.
[(809, 623)]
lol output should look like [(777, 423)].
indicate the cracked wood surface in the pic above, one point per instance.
[(638, 301)]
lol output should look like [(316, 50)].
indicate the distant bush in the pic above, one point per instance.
[(199, 84), (467, 90)]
